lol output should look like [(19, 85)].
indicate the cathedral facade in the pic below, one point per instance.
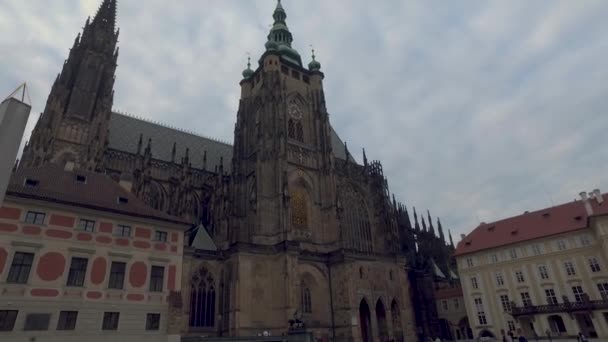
[(287, 226)]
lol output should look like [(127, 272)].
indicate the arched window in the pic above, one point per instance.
[(365, 321), (202, 299), (299, 208), (291, 129), (299, 132), (396, 319), (381, 319), (356, 231), (305, 299)]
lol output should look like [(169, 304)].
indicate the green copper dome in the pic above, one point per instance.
[(247, 73), (314, 65), (279, 37)]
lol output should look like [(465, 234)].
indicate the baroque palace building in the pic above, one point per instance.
[(540, 274), (286, 225)]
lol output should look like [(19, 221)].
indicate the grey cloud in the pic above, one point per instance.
[(479, 110)]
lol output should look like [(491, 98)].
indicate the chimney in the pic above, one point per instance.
[(126, 182), (585, 199), (69, 166), (462, 236), (598, 196)]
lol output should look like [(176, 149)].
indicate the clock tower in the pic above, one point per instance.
[(283, 184)]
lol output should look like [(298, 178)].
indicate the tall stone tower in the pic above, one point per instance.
[(74, 124), (284, 188)]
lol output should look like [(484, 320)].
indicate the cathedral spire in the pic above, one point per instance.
[(279, 37), (106, 15), (451, 241), (81, 97), (423, 223), (407, 217), (431, 228), (416, 224), (440, 229)]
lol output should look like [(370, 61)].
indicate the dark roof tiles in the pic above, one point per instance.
[(96, 191), (125, 131)]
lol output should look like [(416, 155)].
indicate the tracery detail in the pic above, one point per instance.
[(356, 230), (202, 299)]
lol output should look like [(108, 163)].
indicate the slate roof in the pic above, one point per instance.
[(98, 192), (202, 240), (125, 131), (530, 225)]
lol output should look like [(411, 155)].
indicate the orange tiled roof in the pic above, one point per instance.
[(530, 225)]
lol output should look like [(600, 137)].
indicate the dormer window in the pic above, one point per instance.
[(81, 179), (31, 183), (123, 200)]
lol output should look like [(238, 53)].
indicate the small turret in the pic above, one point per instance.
[(314, 65), (247, 73)]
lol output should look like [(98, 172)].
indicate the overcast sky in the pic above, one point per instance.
[(478, 110)]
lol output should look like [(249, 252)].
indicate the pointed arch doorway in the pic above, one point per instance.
[(365, 321)]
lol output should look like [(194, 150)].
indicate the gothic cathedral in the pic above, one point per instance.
[(287, 226)]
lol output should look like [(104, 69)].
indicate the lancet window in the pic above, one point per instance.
[(202, 299)]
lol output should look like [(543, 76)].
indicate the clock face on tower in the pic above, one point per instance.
[(294, 110)]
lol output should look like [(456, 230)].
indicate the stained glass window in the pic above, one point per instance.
[(299, 209)]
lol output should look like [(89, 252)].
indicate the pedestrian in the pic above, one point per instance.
[(521, 337), (581, 337)]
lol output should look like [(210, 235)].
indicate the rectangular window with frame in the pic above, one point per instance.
[(7, 319), (474, 283), (110, 321), (78, 271), (481, 314), (506, 303), (67, 320), (511, 325), (561, 245), (86, 225), (469, 262), (159, 235), (513, 253), (456, 303), (569, 266), (37, 322), (35, 217), (444, 303), (153, 321), (551, 297), (499, 279), (594, 264), (536, 249), (122, 230), (117, 275), (157, 278), (585, 240), (542, 271), (20, 268), (578, 293), (519, 275), (493, 258), (603, 288), (525, 299)]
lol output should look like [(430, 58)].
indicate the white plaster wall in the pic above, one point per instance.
[(13, 118)]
